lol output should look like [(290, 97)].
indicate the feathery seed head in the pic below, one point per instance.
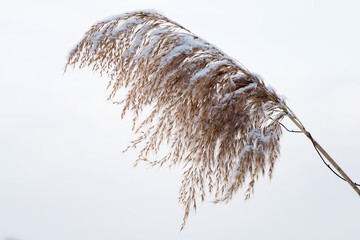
[(219, 119)]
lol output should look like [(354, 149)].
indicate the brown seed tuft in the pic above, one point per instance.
[(220, 120)]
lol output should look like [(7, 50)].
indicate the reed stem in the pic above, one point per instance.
[(324, 153)]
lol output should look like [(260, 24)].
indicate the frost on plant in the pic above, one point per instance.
[(220, 121)]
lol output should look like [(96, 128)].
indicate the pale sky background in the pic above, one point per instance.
[(62, 172)]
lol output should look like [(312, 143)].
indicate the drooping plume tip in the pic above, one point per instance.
[(220, 121)]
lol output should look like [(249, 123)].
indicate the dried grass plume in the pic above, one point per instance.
[(221, 122)]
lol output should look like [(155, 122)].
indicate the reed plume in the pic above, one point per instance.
[(220, 121)]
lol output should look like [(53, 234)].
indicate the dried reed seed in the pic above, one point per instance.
[(220, 120)]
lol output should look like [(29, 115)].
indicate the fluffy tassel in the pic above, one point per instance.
[(220, 121)]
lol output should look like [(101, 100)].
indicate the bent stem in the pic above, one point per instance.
[(321, 150)]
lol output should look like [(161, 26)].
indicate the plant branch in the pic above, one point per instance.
[(323, 152)]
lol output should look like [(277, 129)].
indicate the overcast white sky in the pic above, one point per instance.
[(62, 172)]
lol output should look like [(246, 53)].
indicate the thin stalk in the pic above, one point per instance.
[(297, 122), (323, 152)]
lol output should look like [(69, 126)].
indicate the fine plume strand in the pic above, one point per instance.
[(220, 122)]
